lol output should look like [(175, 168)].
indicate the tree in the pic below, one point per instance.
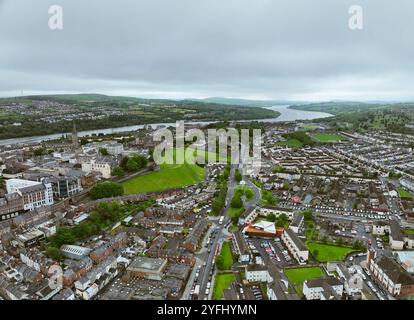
[(131, 165), (124, 162), (236, 202), (140, 160), (103, 151), (358, 245), (238, 176), (271, 217), (315, 253), (118, 172), (308, 215), (339, 241), (324, 239), (280, 223), (39, 152), (106, 189), (220, 262), (54, 253)]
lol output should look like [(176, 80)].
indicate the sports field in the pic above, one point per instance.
[(328, 137)]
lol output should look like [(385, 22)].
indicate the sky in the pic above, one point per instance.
[(261, 49)]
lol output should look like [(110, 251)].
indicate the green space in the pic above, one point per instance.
[(328, 252), (168, 177), (244, 191), (297, 276), (408, 231), (224, 260), (404, 193), (222, 282), (101, 218), (328, 137), (235, 212), (291, 143)]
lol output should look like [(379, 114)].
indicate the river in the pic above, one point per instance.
[(286, 114)]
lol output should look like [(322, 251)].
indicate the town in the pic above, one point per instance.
[(329, 216)]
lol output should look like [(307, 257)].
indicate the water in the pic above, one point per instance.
[(286, 114)]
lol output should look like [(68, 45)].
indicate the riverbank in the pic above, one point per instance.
[(286, 113)]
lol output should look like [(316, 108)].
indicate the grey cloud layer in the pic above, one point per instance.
[(287, 49)]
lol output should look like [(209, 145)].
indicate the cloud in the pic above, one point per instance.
[(291, 49)]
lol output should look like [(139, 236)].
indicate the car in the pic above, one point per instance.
[(207, 291)]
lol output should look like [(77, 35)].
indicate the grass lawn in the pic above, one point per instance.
[(222, 282), (232, 212), (328, 252), (297, 276), (227, 255), (168, 177), (404, 193), (328, 137), (292, 143), (408, 231)]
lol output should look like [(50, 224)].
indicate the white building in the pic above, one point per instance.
[(35, 194), (101, 166), (323, 289), (257, 273), (295, 246)]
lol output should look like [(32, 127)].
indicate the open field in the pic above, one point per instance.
[(291, 143), (328, 252), (404, 193), (222, 282), (168, 177), (327, 137), (297, 276)]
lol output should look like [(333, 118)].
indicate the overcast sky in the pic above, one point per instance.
[(262, 49)]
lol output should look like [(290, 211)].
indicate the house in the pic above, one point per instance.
[(328, 288), (257, 273), (353, 283), (396, 238), (241, 247), (196, 234), (10, 205), (297, 222), (295, 246), (393, 277), (101, 165)]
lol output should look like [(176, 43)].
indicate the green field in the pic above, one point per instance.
[(168, 177), (297, 276), (291, 143), (232, 212), (222, 282), (329, 252), (227, 255), (408, 231), (404, 193), (327, 137)]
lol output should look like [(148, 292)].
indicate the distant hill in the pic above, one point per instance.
[(248, 103)]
